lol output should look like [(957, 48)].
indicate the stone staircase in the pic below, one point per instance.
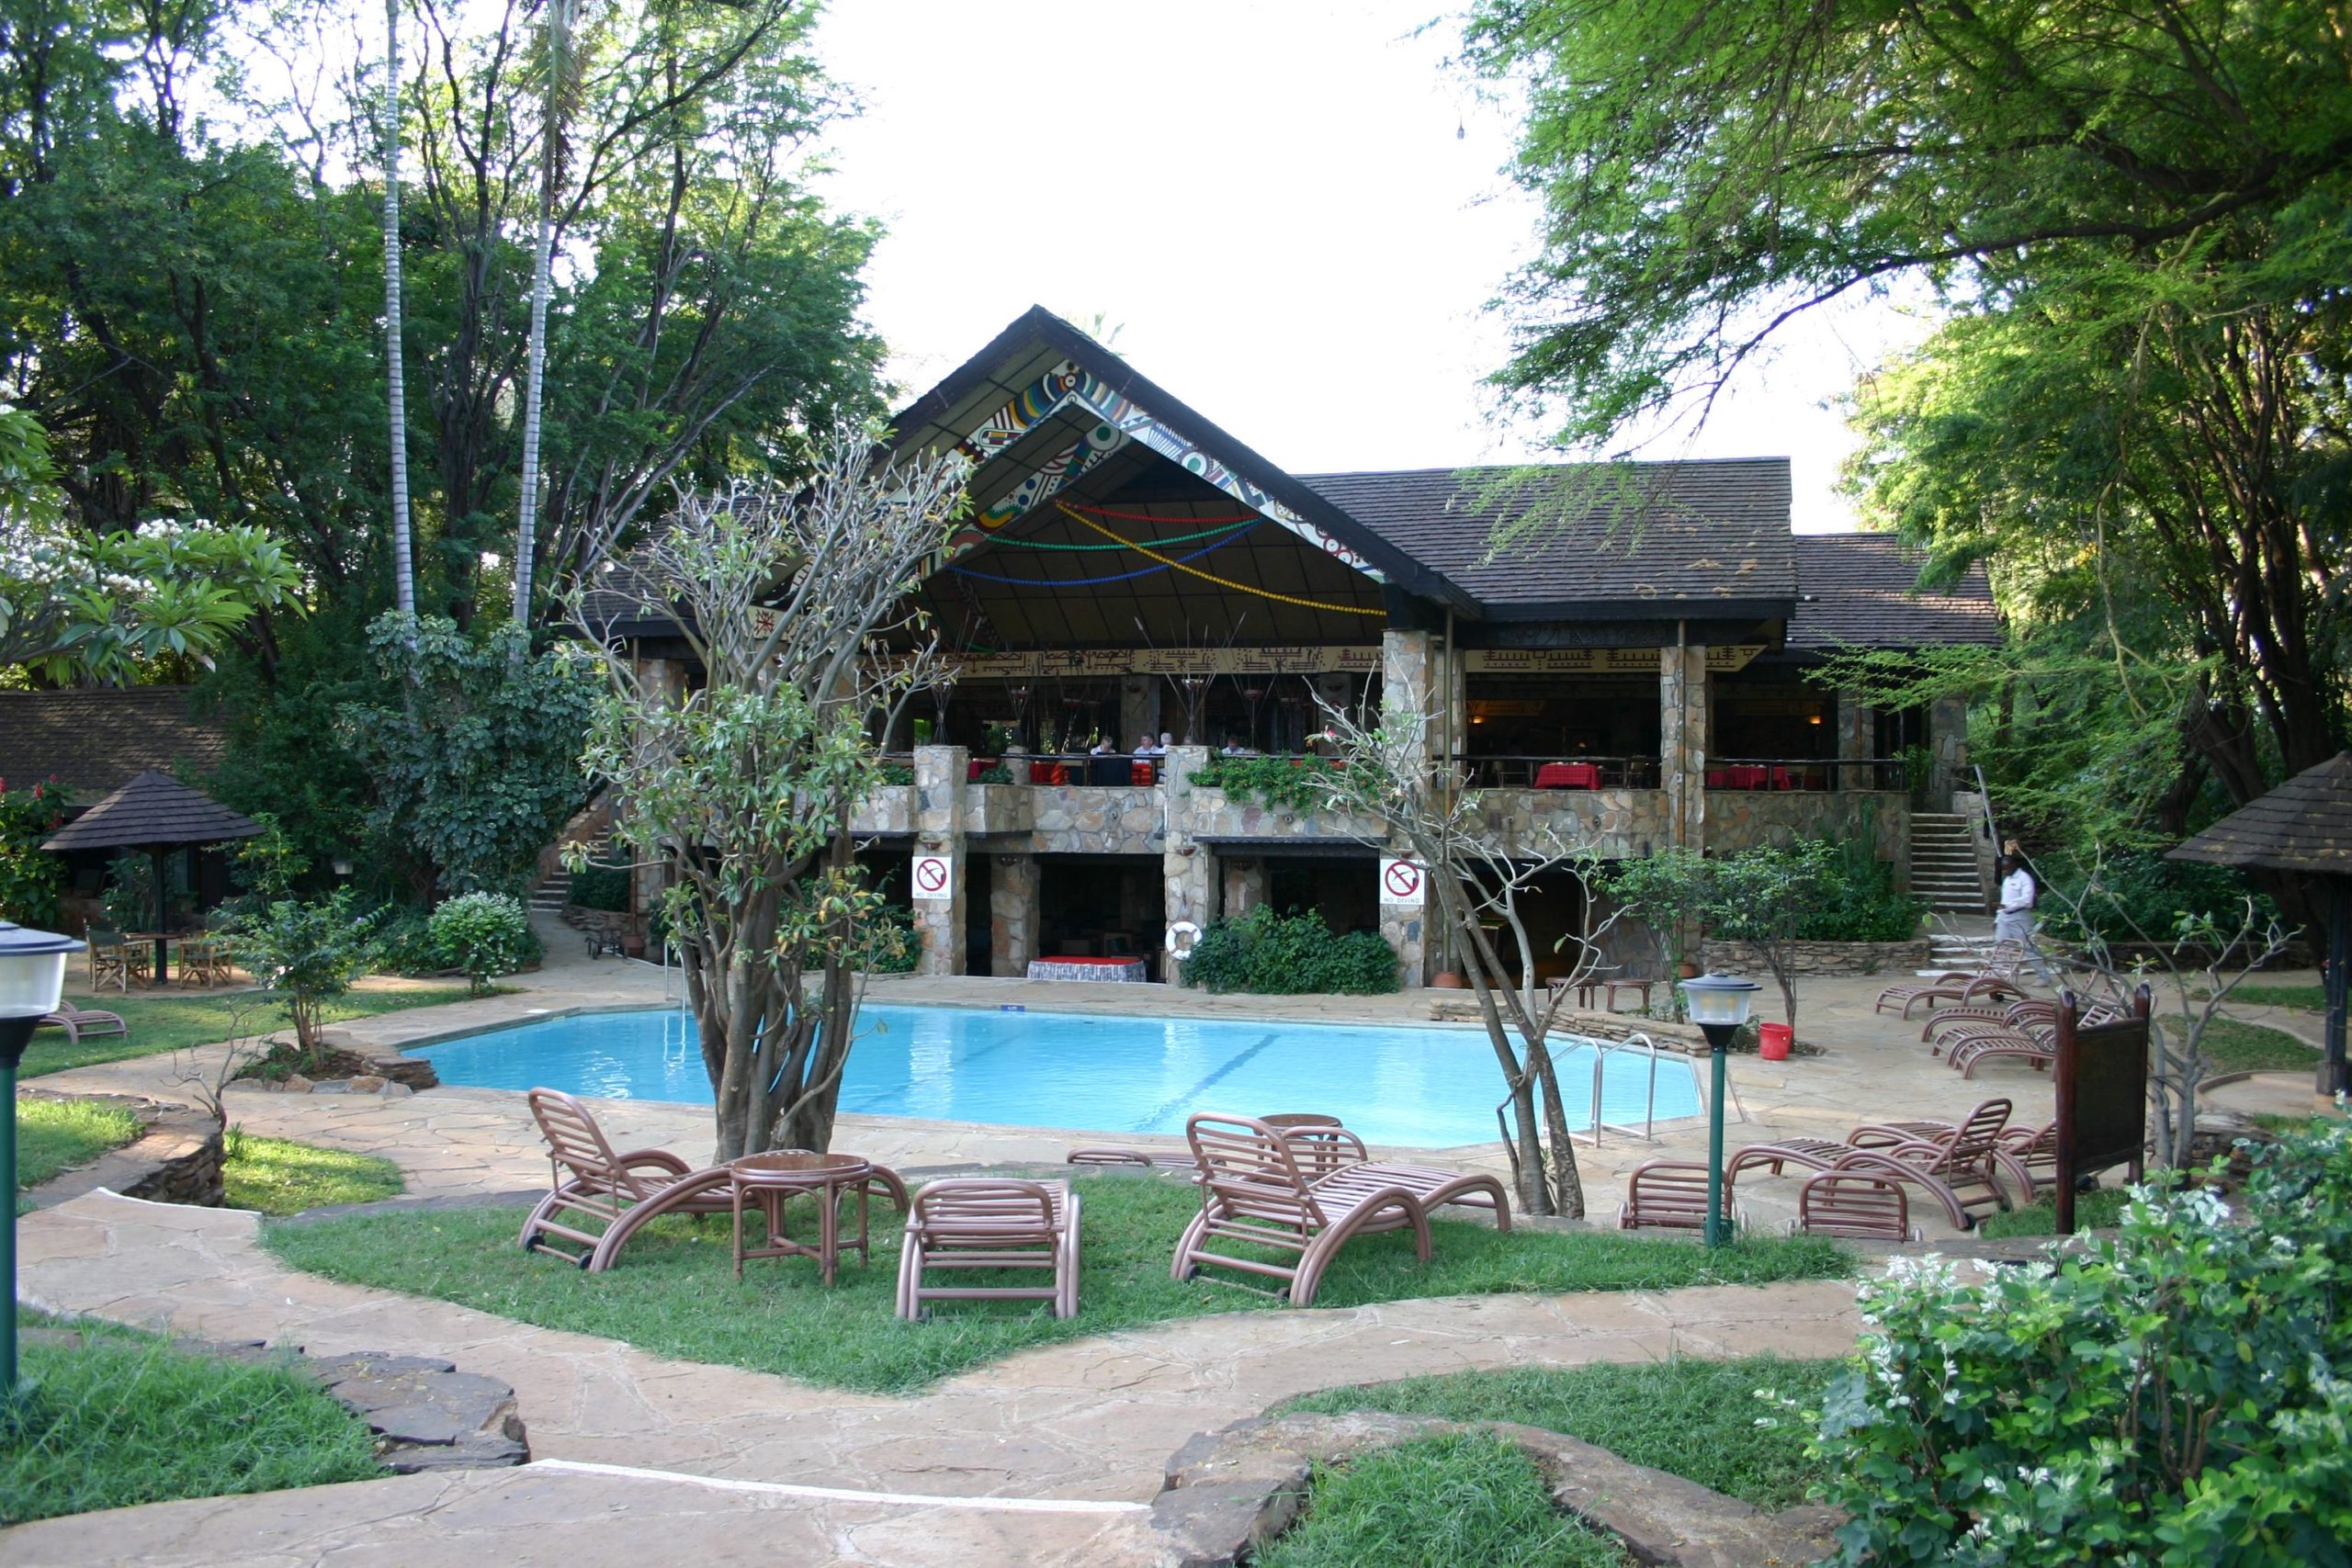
[(553, 891), (1943, 863)]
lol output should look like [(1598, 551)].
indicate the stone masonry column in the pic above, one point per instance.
[(1187, 870), (1682, 743), (1013, 913), (1856, 732), (1245, 886), (938, 830), (1948, 749)]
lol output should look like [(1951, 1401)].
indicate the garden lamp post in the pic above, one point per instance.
[(32, 979), (1718, 1005)]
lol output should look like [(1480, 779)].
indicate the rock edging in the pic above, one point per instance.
[(426, 1413), (1821, 957), (177, 1158), (1226, 1494)]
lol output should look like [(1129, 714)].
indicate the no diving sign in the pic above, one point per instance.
[(935, 876), (1401, 882)]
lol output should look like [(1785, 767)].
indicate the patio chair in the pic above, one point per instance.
[(1854, 1203), (1253, 1192), (2036, 1044), (1996, 980), (1320, 1144), (976, 1222), (204, 961), (623, 1192), (1960, 1167), (117, 963), (1667, 1194), (78, 1022), (1941, 1025)]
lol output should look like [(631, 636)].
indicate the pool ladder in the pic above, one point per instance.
[(1601, 1049)]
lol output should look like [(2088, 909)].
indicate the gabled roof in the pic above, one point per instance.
[(1631, 540), (1863, 590), (154, 808), (1038, 340), (92, 741), (2305, 825)]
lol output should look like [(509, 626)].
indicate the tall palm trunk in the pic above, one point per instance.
[(403, 567), (559, 69)]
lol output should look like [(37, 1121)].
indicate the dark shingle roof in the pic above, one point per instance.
[(1863, 590), (96, 740), (2303, 825), (1645, 539), (154, 808)]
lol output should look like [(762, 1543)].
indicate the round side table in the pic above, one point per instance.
[(770, 1178)]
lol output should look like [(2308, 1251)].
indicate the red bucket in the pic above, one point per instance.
[(1777, 1038)]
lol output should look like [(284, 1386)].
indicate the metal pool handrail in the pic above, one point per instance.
[(1601, 1050)]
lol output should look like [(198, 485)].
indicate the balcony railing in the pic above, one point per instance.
[(1562, 772), (1817, 773)]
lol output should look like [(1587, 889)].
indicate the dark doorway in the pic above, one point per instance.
[(1342, 891), (1101, 907)]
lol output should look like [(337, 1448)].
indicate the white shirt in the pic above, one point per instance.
[(2017, 891)]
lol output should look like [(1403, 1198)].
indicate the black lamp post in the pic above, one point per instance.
[(32, 979), (1718, 1005)]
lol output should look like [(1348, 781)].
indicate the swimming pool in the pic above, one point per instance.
[(1431, 1088)]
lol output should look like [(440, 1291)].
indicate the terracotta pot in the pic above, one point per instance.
[(1687, 971), (1447, 980), (633, 945)]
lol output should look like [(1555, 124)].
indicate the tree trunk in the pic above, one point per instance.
[(395, 378), (558, 25)]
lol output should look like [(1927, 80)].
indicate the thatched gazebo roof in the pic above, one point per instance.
[(2305, 825), (152, 810)]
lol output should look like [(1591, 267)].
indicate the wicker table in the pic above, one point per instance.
[(770, 1178)]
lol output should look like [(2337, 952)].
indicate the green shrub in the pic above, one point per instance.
[(1303, 784), (2140, 887), (894, 773), (2180, 1395), (1276, 954), (889, 945), (1857, 901), (29, 875), (485, 934), (129, 898), (601, 887), (304, 953), (996, 773), (405, 943)]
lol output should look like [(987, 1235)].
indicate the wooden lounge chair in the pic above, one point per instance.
[(1961, 1166), (621, 1193), (78, 1022), (1321, 1143), (1996, 981), (1254, 1192), (1854, 1203), (976, 1222), (1668, 1195), (2035, 1044), (1947, 1021)]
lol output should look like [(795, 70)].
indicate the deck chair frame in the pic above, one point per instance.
[(983, 1223)]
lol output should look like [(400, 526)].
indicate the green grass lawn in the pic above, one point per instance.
[(672, 1292), (2093, 1210), (2232, 1046), (277, 1176), (55, 1135), (2313, 998), (123, 1419), (1448, 1501), (1692, 1419), (169, 1021)]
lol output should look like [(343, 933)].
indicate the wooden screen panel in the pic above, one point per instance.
[(2101, 1077)]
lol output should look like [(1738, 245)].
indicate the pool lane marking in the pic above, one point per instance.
[(838, 1494), (1193, 1095)]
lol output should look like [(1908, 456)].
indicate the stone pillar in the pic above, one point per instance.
[(1948, 750), (1405, 671), (1187, 870), (1405, 927), (1245, 886), (1013, 913), (1857, 731), (1682, 743), (1138, 710), (938, 830)]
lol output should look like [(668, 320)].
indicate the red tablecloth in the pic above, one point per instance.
[(1746, 776), (1569, 775)]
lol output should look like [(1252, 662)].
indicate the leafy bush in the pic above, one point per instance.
[(601, 887), (1276, 954), (485, 934), (1303, 784), (29, 875), (2155, 894), (304, 953), (1857, 901), (405, 943), (2179, 1396), (889, 944), (894, 773), (130, 896), (995, 774)]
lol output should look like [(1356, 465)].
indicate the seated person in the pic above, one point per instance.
[(1232, 748), (1166, 740), (1144, 747), (1102, 748)]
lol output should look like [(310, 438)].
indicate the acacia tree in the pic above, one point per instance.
[(1479, 874), (740, 792)]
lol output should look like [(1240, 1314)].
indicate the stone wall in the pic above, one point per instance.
[(1083, 820), (889, 809), (177, 1158), (1618, 824), (1821, 957), (1742, 819)]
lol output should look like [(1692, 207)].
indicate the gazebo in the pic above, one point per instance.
[(156, 813), (2303, 828)]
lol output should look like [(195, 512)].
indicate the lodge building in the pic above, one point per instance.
[(1625, 659)]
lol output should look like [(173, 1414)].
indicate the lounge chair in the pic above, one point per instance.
[(1854, 1203), (1996, 980), (1253, 1191), (1949, 1021), (1667, 1195), (78, 1022), (2037, 1044), (1321, 1143), (114, 962), (623, 1192), (976, 1222), (1959, 1167)]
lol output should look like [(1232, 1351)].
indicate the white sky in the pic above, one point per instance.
[(1271, 203)]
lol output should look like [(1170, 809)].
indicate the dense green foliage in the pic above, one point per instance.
[(306, 955), (1301, 784), (30, 879), (54, 1136), (484, 934), (1687, 1417), (889, 945), (2180, 1394), (672, 1292), (1858, 901), (2137, 895), (121, 1419), (603, 887), (276, 1175), (1277, 954), (1438, 1502)]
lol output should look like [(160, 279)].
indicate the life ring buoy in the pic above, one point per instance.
[(1183, 932)]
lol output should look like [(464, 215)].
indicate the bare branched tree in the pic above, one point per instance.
[(1479, 872), (205, 1076), (797, 609)]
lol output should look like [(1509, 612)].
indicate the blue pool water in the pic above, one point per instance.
[(1431, 1087)]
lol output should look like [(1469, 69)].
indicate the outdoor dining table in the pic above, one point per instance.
[(770, 1180), (1066, 967), (1569, 775), (161, 974)]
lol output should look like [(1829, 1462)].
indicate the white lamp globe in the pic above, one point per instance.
[(1719, 999), (33, 970)]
